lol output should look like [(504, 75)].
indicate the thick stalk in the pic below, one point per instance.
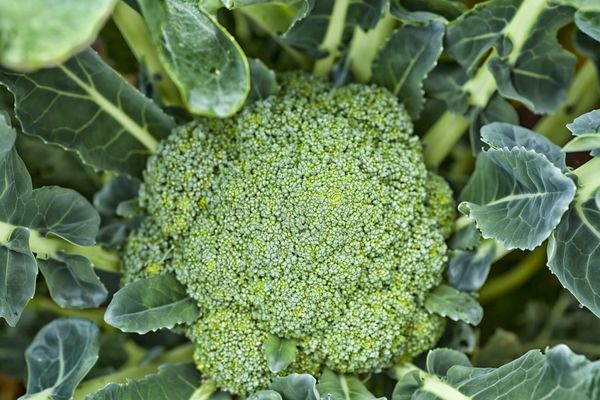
[(333, 37), (588, 179), (50, 246), (365, 46), (138, 38), (181, 354), (442, 136), (44, 304)]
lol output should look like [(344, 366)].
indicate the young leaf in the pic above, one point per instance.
[(265, 395), (151, 304), (341, 387), (25, 42), (263, 82), (200, 56), (586, 128), (60, 356), (468, 270), (574, 253), (72, 282), (280, 353), (18, 270), (175, 382), (458, 306), (516, 196), (439, 361), (113, 126), (403, 63), (296, 387)]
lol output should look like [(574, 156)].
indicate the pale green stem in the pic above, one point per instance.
[(44, 304), (519, 28), (50, 246), (181, 354), (442, 137), (516, 277), (430, 383), (588, 179), (582, 96), (365, 46), (333, 37), (138, 38)]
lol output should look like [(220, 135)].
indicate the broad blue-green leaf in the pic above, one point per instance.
[(60, 356), (280, 353), (265, 395), (439, 361), (296, 387), (108, 122), (497, 110), (473, 34), (18, 270), (587, 129), (558, 375), (419, 11), (509, 136), (540, 74), (307, 33), (406, 59), (458, 306), (466, 238), (468, 270), (342, 387), (589, 23), (516, 196), (151, 304), (263, 82), (39, 33), (574, 253), (173, 382), (200, 56), (72, 281)]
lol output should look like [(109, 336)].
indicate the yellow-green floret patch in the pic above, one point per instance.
[(309, 216)]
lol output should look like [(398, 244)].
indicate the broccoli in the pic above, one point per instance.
[(310, 216)]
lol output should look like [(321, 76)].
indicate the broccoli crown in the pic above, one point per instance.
[(311, 216)]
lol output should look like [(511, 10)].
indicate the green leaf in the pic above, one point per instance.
[(39, 33), (263, 82), (574, 253), (509, 136), (497, 110), (439, 361), (589, 23), (559, 375), (468, 270), (201, 57), (465, 238), (406, 59), (151, 304), (296, 387), (265, 395), (18, 270), (60, 356), (516, 196), (472, 35), (418, 11), (173, 382), (539, 75), (114, 127), (587, 129), (307, 33), (583, 142), (342, 387), (458, 306), (72, 282), (280, 353)]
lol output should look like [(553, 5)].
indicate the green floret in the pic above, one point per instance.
[(310, 216)]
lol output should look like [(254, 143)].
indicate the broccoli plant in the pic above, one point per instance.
[(299, 199)]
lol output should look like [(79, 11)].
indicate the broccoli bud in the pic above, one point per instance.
[(310, 216)]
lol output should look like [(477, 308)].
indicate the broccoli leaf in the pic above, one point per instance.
[(263, 82), (557, 374), (403, 63), (60, 356), (108, 122), (201, 57), (586, 128), (516, 196), (419, 11), (342, 387), (265, 395), (296, 387), (574, 253), (468, 270), (439, 361), (175, 382), (150, 304), (458, 306), (280, 353), (24, 26)]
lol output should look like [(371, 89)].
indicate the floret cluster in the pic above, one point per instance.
[(310, 216)]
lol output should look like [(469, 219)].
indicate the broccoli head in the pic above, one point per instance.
[(310, 216)]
